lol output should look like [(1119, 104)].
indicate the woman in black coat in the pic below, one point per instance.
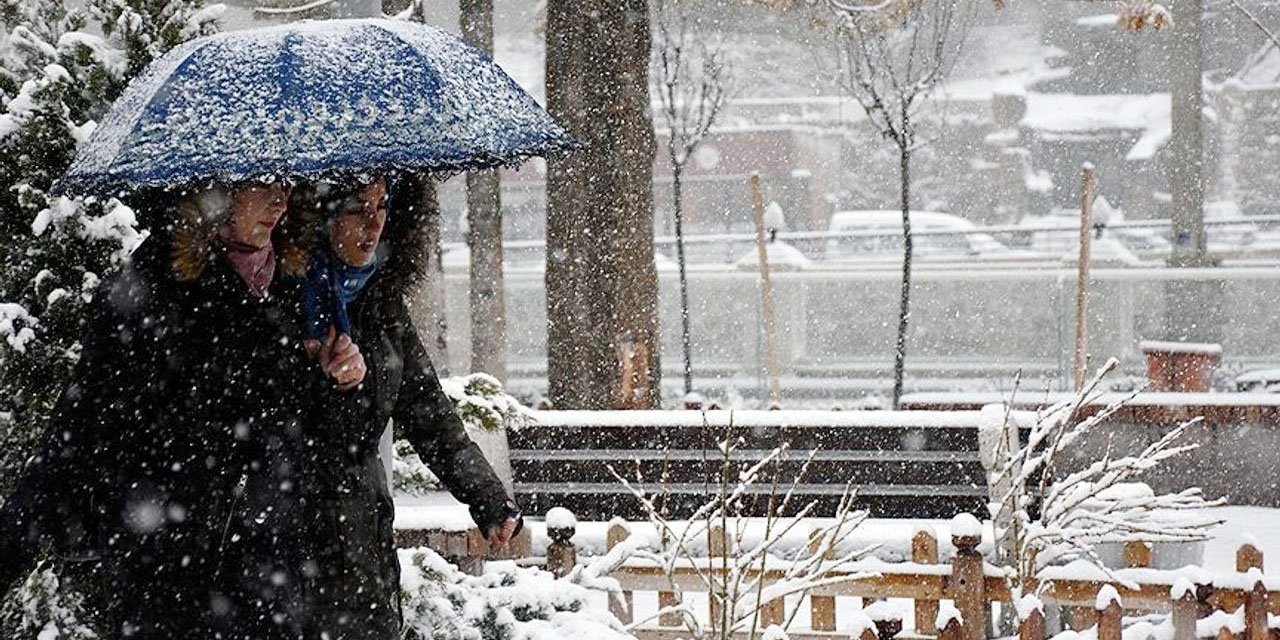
[(161, 457), (352, 584)]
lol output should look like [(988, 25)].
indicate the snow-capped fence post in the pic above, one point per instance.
[(924, 550), (951, 623), (1248, 556), (1109, 610), (1255, 609), (967, 586), (561, 556), (1030, 618), (1137, 554), (623, 606), (887, 618), (822, 609), (1186, 609)]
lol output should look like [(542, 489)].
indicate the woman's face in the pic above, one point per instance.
[(357, 228), (255, 211)]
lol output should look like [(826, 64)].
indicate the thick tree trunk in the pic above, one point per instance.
[(602, 296), (426, 304), (484, 230), (686, 346), (904, 308)]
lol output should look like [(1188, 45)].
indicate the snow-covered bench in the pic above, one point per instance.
[(918, 463)]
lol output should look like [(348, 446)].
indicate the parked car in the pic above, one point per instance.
[(878, 234)]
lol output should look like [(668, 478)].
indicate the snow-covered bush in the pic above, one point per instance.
[(482, 403), (40, 608), (63, 65), (1047, 514), (483, 406), (440, 602)]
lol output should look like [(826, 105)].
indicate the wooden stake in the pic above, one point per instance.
[(1137, 554), (623, 607), (766, 293), (967, 587), (1109, 622), (717, 547), (1255, 613), (1033, 627), (1082, 276), (1185, 613), (924, 550), (822, 609)]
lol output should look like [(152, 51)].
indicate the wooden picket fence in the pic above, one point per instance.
[(972, 585)]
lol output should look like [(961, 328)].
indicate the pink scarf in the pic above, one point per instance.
[(256, 266)]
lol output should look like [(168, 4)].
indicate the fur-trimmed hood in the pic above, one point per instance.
[(403, 252), (191, 241), (194, 239)]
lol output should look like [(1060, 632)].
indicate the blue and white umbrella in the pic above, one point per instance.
[(313, 100)]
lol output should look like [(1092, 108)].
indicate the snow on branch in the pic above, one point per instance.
[(1048, 514), (692, 79), (744, 575)]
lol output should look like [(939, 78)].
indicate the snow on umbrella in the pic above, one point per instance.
[(313, 100)]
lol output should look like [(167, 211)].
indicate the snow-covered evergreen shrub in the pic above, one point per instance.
[(40, 609), (440, 602), (61, 66), (60, 77), (482, 404)]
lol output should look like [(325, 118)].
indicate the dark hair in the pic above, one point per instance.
[(335, 198)]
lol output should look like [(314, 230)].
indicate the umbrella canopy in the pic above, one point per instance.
[(312, 100)]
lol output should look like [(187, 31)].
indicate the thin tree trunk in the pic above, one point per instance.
[(904, 309), (685, 340), (484, 229)]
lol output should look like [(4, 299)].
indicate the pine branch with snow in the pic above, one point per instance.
[(483, 405), (505, 603), (41, 607)]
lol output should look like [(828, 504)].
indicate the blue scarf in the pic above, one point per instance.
[(330, 286)]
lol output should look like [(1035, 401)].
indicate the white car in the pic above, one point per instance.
[(878, 234)]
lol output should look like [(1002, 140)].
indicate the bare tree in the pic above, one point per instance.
[(691, 77), (891, 60), (735, 579)]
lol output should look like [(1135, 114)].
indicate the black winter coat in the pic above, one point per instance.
[(353, 572), (172, 424)]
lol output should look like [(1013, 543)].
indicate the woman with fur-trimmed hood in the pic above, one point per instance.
[(163, 456), (364, 264)]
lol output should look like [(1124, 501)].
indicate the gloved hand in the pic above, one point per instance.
[(498, 522)]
